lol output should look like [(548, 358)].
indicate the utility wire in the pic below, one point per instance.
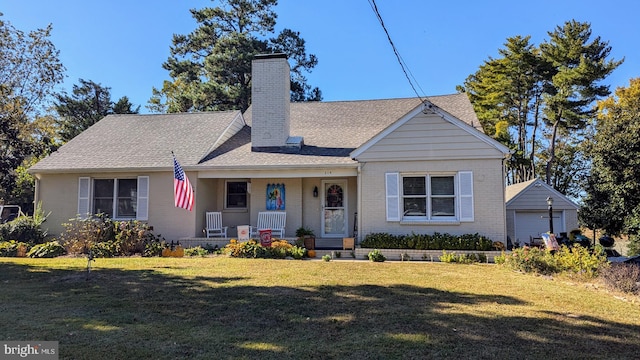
[(403, 65)]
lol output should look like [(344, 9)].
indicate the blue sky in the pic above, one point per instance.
[(123, 43)]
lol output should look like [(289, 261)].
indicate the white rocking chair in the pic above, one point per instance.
[(214, 225)]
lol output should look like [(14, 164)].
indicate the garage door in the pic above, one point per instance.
[(533, 223)]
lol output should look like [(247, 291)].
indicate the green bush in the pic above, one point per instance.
[(376, 256), (11, 248), (576, 260), (532, 260), (23, 229), (47, 250), (196, 251), (581, 261), (437, 241), (622, 277), (105, 249), (326, 257), (462, 258), (153, 246)]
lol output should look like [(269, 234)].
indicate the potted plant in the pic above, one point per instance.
[(308, 237)]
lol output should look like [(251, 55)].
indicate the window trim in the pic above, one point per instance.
[(428, 196)]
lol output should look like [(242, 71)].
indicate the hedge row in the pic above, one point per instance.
[(436, 241)]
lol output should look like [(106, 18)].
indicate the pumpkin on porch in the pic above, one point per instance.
[(311, 253)]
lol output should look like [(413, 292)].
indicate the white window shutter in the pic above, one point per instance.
[(84, 196), (465, 182), (392, 182), (142, 211)]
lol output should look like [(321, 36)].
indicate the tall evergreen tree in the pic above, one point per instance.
[(506, 93), (579, 64), (210, 68), (88, 103)]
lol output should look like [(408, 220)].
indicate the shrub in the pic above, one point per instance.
[(279, 249), (196, 251), (130, 236), (105, 249), (531, 260), (153, 246), (580, 260), (437, 241), (376, 256), (80, 234), (326, 257), (462, 258), (23, 229), (576, 260), (500, 259), (47, 250), (12, 248), (622, 277)]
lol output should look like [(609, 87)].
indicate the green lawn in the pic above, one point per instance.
[(225, 308)]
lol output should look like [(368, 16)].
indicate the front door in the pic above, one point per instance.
[(334, 208)]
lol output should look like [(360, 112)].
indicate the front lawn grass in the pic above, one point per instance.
[(227, 308)]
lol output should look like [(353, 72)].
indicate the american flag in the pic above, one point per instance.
[(182, 190)]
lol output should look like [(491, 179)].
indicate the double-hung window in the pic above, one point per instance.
[(429, 197), (116, 198)]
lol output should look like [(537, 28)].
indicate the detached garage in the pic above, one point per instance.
[(528, 212)]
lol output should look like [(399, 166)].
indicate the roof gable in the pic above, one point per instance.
[(430, 108), (538, 189)]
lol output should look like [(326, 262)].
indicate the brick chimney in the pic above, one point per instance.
[(270, 101)]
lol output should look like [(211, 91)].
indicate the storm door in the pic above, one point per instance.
[(334, 208)]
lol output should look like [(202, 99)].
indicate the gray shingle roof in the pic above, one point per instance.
[(125, 142), (331, 130)]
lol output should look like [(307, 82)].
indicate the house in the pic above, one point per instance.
[(394, 165), (528, 212)]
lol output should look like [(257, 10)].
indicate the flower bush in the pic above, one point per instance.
[(279, 249)]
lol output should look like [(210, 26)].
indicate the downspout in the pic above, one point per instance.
[(359, 204), (36, 192), (504, 199)]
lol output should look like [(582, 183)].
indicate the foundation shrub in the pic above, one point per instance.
[(435, 241)]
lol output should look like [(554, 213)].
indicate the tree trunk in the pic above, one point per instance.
[(552, 151)]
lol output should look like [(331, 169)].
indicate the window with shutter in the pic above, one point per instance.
[(115, 198), (429, 197)]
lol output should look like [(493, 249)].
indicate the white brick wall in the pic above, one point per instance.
[(270, 97)]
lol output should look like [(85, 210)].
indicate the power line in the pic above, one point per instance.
[(403, 65)]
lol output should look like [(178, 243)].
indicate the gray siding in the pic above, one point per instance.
[(428, 136)]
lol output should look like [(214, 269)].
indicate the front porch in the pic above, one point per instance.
[(321, 243)]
